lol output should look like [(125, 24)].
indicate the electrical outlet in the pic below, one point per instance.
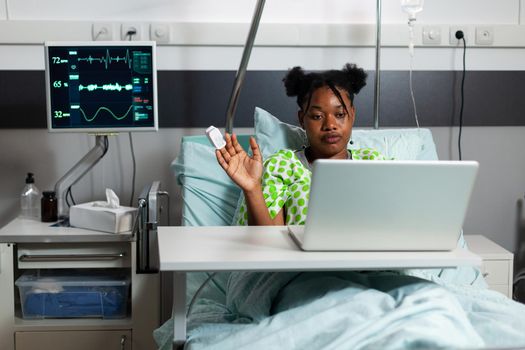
[(125, 28), (453, 40), (484, 35), (160, 32), (431, 35), (102, 31)]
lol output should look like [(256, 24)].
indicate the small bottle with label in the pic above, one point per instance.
[(49, 206)]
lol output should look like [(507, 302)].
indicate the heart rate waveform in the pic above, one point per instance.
[(107, 59), (105, 87), (89, 119)]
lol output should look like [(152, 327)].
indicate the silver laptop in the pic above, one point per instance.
[(386, 205)]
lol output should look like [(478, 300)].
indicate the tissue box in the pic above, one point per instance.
[(112, 220)]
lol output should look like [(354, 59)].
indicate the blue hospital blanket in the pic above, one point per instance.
[(352, 310)]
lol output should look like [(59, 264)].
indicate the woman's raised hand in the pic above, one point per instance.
[(244, 170)]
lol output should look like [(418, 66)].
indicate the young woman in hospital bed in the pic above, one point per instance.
[(449, 308), (276, 192)]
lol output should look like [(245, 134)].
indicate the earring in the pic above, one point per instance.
[(351, 142)]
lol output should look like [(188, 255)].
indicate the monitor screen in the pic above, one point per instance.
[(101, 86)]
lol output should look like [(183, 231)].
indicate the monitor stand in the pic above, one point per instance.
[(76, 172)]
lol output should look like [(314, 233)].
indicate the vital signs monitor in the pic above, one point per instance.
[(101, 86)]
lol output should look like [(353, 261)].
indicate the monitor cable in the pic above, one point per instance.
[(70, 195), (67, 199), (134, 170), (460, 36), (130, 34)]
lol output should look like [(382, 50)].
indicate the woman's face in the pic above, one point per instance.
[(327, 124)]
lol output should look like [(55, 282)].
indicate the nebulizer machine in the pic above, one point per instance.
[(412, 7)]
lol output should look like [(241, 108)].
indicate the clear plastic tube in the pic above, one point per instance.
[(412, 7), (412, 90)]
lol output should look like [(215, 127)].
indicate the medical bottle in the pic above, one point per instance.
[(49, 206), (411, 7), (30, 200)]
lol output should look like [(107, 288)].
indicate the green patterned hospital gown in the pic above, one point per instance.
[(286, 183)]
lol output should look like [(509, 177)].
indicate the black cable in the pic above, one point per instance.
[(71, 195), (130, 34), (106, 146), (67, 201), (134, 170), (462, 92)]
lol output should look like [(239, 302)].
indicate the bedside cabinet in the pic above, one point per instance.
[(497, 265), (28, 246)]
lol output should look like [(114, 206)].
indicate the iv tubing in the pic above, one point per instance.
[(412, 90)]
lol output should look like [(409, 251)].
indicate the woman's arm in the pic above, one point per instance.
[(246, 172), (258, 211)]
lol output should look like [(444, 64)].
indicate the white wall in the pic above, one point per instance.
[(501, 180), (276, 11)]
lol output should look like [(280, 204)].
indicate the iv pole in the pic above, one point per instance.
[(241, 72), (377, 84)]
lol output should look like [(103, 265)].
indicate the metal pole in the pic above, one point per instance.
[(241, 72), (378, 64)]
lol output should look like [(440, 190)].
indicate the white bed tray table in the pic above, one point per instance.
[(185, 249)]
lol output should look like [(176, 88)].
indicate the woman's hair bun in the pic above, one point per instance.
[(294, 81), (356, 77), (298, 83)]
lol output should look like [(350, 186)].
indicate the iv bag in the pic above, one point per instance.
[(411, 7)]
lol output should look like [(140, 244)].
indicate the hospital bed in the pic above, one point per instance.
[(410, 308), (394, 309)]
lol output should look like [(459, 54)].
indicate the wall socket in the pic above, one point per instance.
[(484, 35), (453, 30), (431, 35), (160, 32), (101, 31), (125, 28)]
